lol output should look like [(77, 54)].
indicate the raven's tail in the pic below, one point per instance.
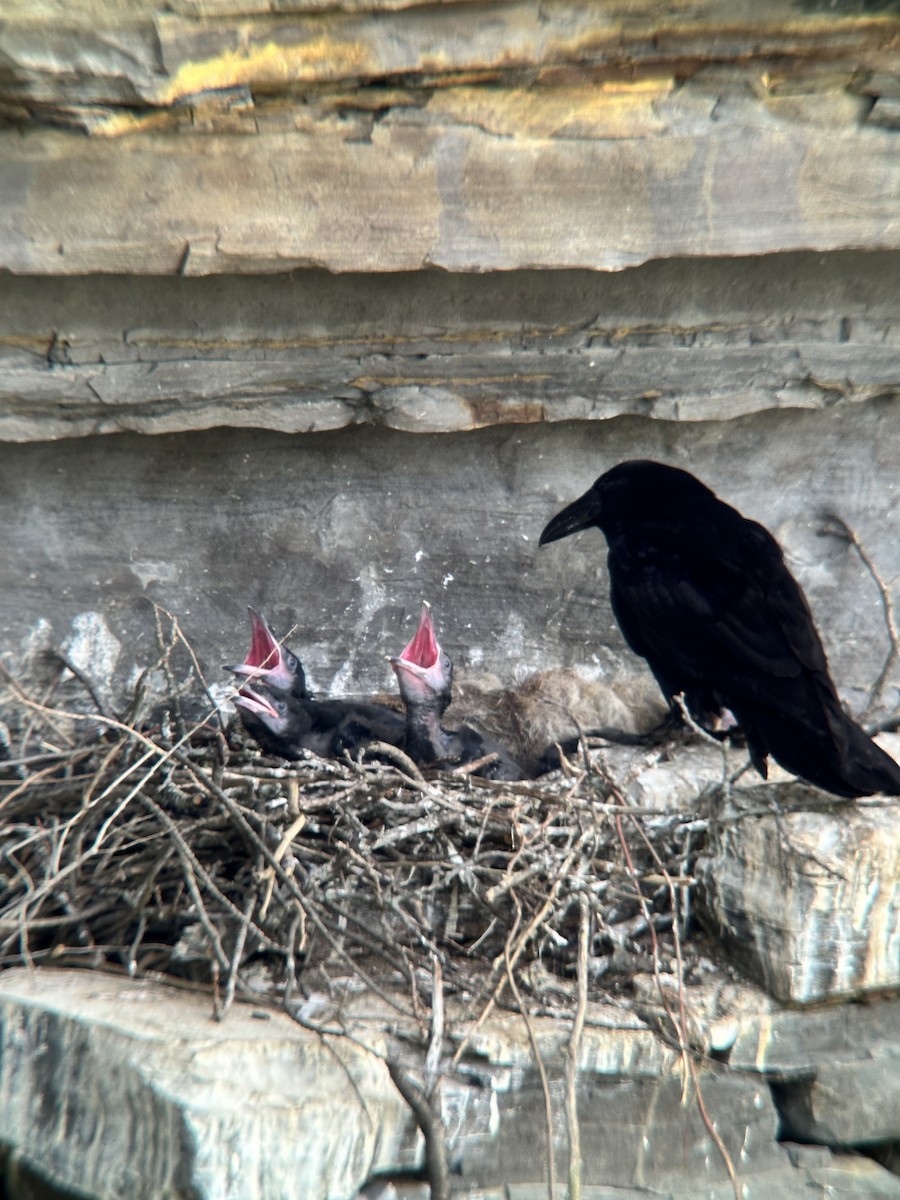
[(867, 766), (836, 755)]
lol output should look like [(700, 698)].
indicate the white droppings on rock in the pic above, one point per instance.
[(93, 648), (340, 681), (512, 639), (38, 639), (149, 571)]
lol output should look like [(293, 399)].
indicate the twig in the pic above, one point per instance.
[(679, 1024), (212, 934), (195, 869), (395, 755), (268, 875), (685, 713), (236, 815), (495, 978), (198, 670), (61, 656), (432, 1126), (432, 1066), (221, 1010), (542, 1072), (573, 1051), (476, 764), (842, 529)]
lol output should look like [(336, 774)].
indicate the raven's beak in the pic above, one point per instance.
[(580, 514), (265, 660), (254, 702), (419, 662), (415, 678)]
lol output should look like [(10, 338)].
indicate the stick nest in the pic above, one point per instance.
[(171, 847)]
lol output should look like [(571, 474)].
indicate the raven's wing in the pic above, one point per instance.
[(717, 610), (329, 714)]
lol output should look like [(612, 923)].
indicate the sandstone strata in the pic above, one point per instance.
[(466, 137), (682, 340)]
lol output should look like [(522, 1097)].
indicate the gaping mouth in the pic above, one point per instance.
[(423, 650), (256, 703), (265, 658), (418, 665)]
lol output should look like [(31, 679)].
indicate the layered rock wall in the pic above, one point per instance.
[(387, 284), (655, 222)]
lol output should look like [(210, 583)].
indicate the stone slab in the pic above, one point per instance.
[(439, 395), (126, 1088), (678, 340), (430, 195), (808, 901), (835, 1070)]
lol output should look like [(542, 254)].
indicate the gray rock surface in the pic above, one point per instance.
[(337, 537), (807, 900), (679, 340), (834, 1071), (125, 1088)]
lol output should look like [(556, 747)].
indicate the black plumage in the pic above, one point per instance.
[(704, 595), (276, 721), (425, 675), (285, 718)]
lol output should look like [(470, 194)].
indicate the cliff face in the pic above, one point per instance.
[(388, 284), (589, 233), (468, 137)]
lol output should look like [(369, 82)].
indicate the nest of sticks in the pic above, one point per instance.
[(165, 846)]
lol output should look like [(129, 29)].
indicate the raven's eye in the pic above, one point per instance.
[(446, 664), (280, 707), (291, 660)]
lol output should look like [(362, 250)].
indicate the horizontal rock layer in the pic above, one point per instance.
[(434, 193), (475, 138), (676, 340), (104, 51)]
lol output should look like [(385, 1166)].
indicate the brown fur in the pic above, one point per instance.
[(554, 705)]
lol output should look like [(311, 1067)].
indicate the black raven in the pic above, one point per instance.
[(285, 718), (703, 594), (271, 663), (425, 675), (276, 721)]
